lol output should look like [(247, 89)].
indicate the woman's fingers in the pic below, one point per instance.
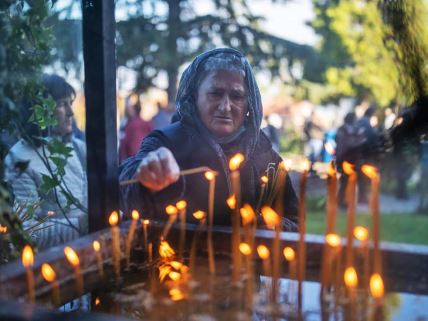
[(169, 165)]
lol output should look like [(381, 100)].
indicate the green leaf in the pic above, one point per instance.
[(48, 183), (55, 146)]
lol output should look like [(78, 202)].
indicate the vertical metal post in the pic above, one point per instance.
[(100, 94)]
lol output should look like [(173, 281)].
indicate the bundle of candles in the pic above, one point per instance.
[(335, 276)]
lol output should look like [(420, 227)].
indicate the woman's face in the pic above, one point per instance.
[(222, 102), (64, 115)]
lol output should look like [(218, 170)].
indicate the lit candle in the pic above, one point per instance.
[(290, 257), (264, 254), (172, 211), (74, 261), (348, 169), (280, 188), (97, 248), (115, 242), (28, 262), (135, 217), (145, 225), (150, 251), (245, 249), (273, 220), (234, 165), (200, 216), (210, 176), (49, 275), (362, 234), (376, 287), (351, 278), (182, 206), (248, 220), (331, 199), (372, 173), (332, 248), (264, 180), (301, 253)]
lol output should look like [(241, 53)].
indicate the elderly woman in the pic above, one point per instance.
[(219, 112)]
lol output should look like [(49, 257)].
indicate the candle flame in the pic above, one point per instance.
[(333, 240), (176, 265), (236, 161), (245, 249), (264, 179), (163, 272), (175, 276), (350, 277), (231, 201), (263, 252), (271, 218), (247, 214), (199, 215), (329, 148), (305, 165), (97, 301), (370, 171), (176, 294), (114, 218), (135, 215), (331, 171), (288, 163), (97, 246), (289, 254), (71, 256), (209, 175), (348, 168), (165, 250), (48, 272), (27, 256), (376, 285), (181, 205), (171, 210), (146, 222), (361, 233), (3, 229)]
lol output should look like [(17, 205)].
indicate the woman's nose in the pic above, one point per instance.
[(69, 110), (225, 103)]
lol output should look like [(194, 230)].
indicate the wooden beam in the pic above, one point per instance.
[(100, 94)]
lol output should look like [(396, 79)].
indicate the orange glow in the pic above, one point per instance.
[(305, 165), (245, 249), (175, 276), (231, 201), (289, 254), (181, 205), (263, 252), (165, 250), (247, 214), (361, 233), (351, 278), (135, 215), (171, 210), (264, 179), (176, 265), (71, 256), (209, 175), (333, 240), (97, 246), (329, 148), (376, 286), (369, 171), (271, 218), (176, 294), (146, 222), (348, 168), (114, 218), (331, 171), (236, 161), (163, 272), (27, 256), (97, 301), (287, 163), (199, 215), (3, 229), (48, 273)]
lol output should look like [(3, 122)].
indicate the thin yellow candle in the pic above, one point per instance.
[(74, 261), (182, 207), (210, 176), (248, 219), (362, 234), (200, 216), (264, 181), (290, 257), (273, 220), (172, 211), (372, 173), (348, 169), (135, 217), (377, 289), (97, 248), (115, 242), (332, 241), (301, 254), (331, 199), (49, 275), (150, 251), (351, 277), (28, 262), (245, 249), (145, 225), (234, 165), (264, 254)]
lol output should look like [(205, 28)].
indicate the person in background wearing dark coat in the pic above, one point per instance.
[(134, 131), (219, 112)]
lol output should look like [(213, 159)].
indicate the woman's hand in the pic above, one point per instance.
[(158, 169)]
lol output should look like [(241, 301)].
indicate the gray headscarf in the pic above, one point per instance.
[(221, 59)]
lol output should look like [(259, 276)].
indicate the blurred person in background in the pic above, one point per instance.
[(313, 136), (134, 129), (163, 116), (271, 132), (27, 164)]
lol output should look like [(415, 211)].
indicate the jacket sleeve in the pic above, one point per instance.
[(136, 196)]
